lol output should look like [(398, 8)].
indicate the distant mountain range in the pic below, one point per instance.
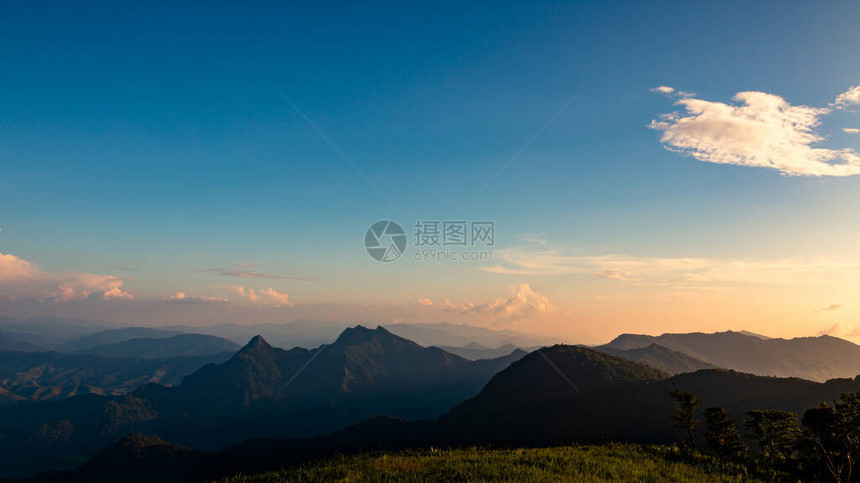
[(40, 376), (453, 335), (554, 395), (475, 351), (659, 357), (306, 392), (564, 392), (263, 390), (814, 358), (114, 336), (72, 335), (181, 345)]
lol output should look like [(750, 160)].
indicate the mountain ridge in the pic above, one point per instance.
[(815, 358)]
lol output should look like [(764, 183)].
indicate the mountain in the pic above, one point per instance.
[(453, 335), (312, 333), (562, 393), (659, 357), (746, 332), (814, 358), (49, 332), (298, 333), (39, 376), (113, 336), (186, 345), (555, 395), (20, 342), (474, 351), (300, 392), (259, 391)]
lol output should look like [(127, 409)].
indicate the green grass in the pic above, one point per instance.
[(612, 462)]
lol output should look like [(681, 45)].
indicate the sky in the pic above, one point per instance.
[(648, 167)]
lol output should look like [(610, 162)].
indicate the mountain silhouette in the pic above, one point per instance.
[(40, 376), (659, 357), (554, 395), (180, 345), (113, 336), (264, 390), (814, 358), (564, 392)]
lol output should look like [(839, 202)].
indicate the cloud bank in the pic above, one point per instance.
[(21, 279)]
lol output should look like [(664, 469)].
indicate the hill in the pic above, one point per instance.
[(474, 351), (659, 357), (604, 463), (181, 345), (814, 358), (10, 341), (454, 335), (556, 395), (601, 463), (564, 392), (113, 336), (49, 332), (259, 391), (312, 333), (39, 376), (300, 392)]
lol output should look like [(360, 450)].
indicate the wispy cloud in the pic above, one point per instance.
[(671, 91), (758, 130), (851, 130), (185, 298), (230, 272), (829, 308), (680, 272), (851, 97)]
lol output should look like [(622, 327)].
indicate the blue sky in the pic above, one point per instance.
[(152, 143)]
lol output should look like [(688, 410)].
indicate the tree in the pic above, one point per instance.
[(834, 432), (685, 415), (722, 435), (778, 435)]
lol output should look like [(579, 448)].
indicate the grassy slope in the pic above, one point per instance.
[(613, 462)]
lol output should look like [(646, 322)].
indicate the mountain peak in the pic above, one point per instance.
[(359, 335), (255, 344)]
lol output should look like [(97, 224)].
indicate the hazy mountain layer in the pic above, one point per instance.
[(813, 358)]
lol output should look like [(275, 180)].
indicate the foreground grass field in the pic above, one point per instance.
[(612, 462)]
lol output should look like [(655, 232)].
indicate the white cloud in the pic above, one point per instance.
[(760, 130), (268, 296), (851, 130), (277, 297), (523, 303), (21, 279), (671, 91), (848, 98), (663, 89)]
